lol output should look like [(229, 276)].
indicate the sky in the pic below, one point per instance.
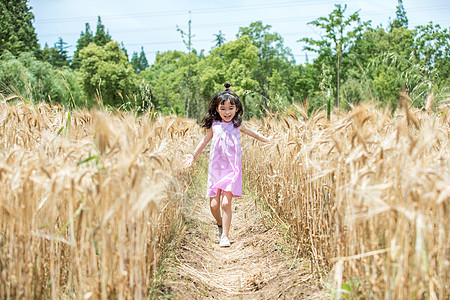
[(152, 24)]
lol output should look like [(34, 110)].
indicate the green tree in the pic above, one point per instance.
[(385, 64), (101, 36), (432, 50), (232, 62), (58, 54), (274, 59), (143, 60), (105, 71), (124, 50), (135, 62), (85, 39), (45, 53), (167, 80), (401, 20), (139, 63), (16, 30), (53, 56), (220, 39), (333, 48), (302, 82)]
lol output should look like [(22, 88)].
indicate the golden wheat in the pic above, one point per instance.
[(365, 195), (87, 201)]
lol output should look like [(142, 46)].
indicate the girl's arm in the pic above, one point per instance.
[(254, 134), (189, 158)]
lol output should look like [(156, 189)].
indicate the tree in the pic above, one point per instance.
[(385, 63), (401, 20), (59, 57), (432, 50), (106, 71), (220, 39), (301, 81), (16, 30), (53, 56), (167, 80), (85, 39), (124, 50), (273, 60), (143, 60), (333, 47), (232, 62), (44, 54), (139, 63), (135, 62), (101, 36)]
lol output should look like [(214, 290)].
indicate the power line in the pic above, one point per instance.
[(183, 12), (226, 24), (228, 9), (274, 20), (165, 28)]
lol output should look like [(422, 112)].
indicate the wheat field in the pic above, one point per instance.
[(90, 200), (364, 196)]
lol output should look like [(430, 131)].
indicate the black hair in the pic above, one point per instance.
[(212, 114)]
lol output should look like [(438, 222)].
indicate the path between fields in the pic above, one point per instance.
[(258, 265)]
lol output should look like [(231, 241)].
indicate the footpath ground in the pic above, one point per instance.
[(258, 265)]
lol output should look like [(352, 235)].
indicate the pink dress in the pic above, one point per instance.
[(225, 165)]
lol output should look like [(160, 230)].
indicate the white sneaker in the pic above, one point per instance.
[(224, 242), (219, 231)]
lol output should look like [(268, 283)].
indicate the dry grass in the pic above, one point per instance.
[(88, 201), (365, 196)]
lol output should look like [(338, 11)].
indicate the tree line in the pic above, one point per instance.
[(355, 62)]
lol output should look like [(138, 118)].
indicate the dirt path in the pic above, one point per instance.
[(258, 265)]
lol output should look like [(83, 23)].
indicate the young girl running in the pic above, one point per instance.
[(223, 122)]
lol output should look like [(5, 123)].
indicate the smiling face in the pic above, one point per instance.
[(227, 111)]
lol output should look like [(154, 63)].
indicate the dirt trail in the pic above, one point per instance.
[(258, 265)]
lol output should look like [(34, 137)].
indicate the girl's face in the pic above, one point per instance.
[(227, 111)]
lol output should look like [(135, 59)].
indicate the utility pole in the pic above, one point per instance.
[(188, 45), (189, 72), (338, 82)]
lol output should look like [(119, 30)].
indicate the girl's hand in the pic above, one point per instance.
[(188, 160), (271, 139)]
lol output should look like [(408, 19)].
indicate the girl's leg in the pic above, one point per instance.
[(214, 204), (226, 212)]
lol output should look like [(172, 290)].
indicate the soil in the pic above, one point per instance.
[(260, 264)]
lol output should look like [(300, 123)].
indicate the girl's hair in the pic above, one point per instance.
[(220, 98)]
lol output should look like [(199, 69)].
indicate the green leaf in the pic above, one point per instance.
[(87, 159), (346, 288), (60, 130), (45, 225), (69, 221)]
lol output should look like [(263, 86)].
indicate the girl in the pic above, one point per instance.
[(223, 123)]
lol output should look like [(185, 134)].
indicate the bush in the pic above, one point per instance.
[(34, 81)]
